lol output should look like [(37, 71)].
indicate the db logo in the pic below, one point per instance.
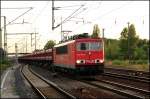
[(90, 61), (89, 53)]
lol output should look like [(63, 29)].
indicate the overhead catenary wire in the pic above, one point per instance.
[(69, 16), (105, 13), (17, 8), (41, 11), (118, 8), (68, 6), (79, 12), (59, 8), (18, 16), (75, 14), (87, 11), (72, 14), (84, 9)]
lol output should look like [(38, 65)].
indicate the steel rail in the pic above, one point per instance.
[(53, 85), (38, 92), (135, 78), (125, 86), (123, 93), (137, 72)]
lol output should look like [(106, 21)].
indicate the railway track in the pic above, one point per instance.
[(140, 90), (43, 87), (142, 74), (121, 89), (82, 89), (129, 77)]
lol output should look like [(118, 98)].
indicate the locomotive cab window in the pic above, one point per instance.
[(82, 46), (62, 49), (95, 46), (89, 46)]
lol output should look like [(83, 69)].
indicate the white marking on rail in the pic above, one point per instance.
[(3, 81)]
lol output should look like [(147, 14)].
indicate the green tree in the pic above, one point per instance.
[(133, 41), (142, 49), (111, 48), (96, 31), (123, 45), (128, 42), (139, 53), (49, 44)]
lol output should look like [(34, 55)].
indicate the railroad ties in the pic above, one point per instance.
[(47, 89), (43, 88)]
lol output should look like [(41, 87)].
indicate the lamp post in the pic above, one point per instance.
[(103, 44), (61, 31), (128, 43), (0, 38), (16, 55), (148, 56), (5, 36)]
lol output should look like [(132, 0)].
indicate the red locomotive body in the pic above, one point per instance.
[(86, 54), (76, 55)]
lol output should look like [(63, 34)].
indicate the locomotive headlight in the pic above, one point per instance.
[(101, 61), (78, 61), (97, 61)]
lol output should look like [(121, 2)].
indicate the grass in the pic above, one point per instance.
[(4, 64), (139, 65)]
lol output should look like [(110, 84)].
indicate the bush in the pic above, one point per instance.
[(2, 53), (141, 65), (116, 62), (4, 64), (141, 61)]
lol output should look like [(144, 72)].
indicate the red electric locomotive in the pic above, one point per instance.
[(80, 55)]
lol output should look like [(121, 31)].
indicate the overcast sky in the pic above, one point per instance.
[(111, 15)]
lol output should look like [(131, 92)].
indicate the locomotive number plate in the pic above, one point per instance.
[(89, 61)]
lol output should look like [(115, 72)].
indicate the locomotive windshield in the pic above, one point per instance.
[(89, 46)]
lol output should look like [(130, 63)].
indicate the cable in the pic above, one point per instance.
[(76, 15), (91, 9), (88, 12), (41, 11), (19, 16), (107, 12), (112, 10), (69, 6), (79, 12), (17, 8), (69, 16), (72, 14)]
